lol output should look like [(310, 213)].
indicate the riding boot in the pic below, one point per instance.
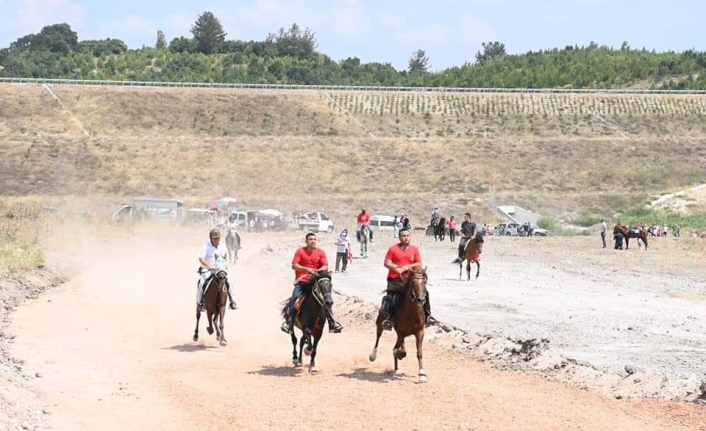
[(371, 235), (427, 311), (385, 311), (333, 326), (233, 305)]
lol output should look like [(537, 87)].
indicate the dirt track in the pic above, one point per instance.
[(114, 350)]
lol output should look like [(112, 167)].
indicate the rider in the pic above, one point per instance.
[(232, 223), (436, 215), (211, 251), (363, 218), (400, 257), (307, 261), (468, 232)]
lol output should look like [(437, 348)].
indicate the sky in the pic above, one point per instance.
[(450, 31)]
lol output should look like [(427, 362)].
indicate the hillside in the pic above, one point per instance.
[(574, 156)]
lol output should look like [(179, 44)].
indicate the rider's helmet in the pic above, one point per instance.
[(215, 233)]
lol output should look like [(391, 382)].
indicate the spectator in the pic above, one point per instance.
[(603, 229), (343, 244)]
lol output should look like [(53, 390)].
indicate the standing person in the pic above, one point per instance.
[(307, 261), (400, 258), (603, 229), (452, 229), (343, 245), (405, 222)]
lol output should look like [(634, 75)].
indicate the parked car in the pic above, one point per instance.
[(382, 222), (506, 229), (141, 208), (315, 222)]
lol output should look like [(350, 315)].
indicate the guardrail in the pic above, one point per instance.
[(338, 87)]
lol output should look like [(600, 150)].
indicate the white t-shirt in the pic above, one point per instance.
[(209, 253), (342, 248), (603, 227)]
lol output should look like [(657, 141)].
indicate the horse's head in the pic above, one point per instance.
[(417, 285), (323, 290), (220, 276)]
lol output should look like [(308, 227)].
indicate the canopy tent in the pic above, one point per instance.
[(271, 212), (222, 203)]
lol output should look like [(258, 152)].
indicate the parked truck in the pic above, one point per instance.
[(315, 222)]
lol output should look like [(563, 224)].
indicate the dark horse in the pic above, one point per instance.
[(233, 244), (632, 232), (440, 229), (408, 319), (471, 254), (215, 299), (310, 317)]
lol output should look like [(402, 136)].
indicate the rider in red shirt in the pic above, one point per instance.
[(307, 261), (363, 218), (400, 257)]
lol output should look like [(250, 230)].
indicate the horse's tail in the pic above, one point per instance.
[(285, 308)]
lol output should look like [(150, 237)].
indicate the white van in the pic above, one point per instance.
[(381, 222)]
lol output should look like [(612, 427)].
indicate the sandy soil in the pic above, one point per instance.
[(113, 351)]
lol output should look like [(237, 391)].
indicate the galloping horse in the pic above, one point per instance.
[(364, 238), (408, 319), (471, 254), (632, 232), (310, 317), (215, 299), (440, 229), (233, 244)]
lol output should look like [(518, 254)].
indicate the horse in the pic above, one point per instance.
[(233, 244), (215, 300), (628, 232), (409, 319), (440, 229), (310, 317), (471, 254), (364, 239)]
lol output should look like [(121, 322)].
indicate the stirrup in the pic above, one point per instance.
[(387, 325), (285, 328), (431, 320), (335, 328), (233, 305)]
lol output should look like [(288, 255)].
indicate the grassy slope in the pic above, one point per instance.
[(553, 154)]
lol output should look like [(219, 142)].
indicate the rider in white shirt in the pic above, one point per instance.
[(210, 253)]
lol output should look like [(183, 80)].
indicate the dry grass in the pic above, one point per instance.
[(296, 150)]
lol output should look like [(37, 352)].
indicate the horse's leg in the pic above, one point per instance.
[(627, 242), (460, 269), (398, 352), (216, 317), (196, 331), (210, 322), (419, 336), (478, 270), (645, 241), (222, 316), (295, 359), (301, 347), (468, 269), (312, 364), (378, 324)]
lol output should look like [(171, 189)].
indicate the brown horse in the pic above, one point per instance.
[(471, 254), (408, 319), (628, 232), (215, 299)]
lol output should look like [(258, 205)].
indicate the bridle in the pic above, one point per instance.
[(321, 297), (409, 280)]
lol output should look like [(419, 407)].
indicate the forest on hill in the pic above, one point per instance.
[(290, 56)]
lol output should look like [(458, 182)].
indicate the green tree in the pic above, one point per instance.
[(208, 32), (419, 62), (490, 50), (58, 38), (161, 40), (294, 42)]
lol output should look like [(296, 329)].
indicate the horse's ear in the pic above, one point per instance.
[(425, 269)]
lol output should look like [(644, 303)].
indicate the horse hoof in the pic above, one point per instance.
[(196, 338), (308, 350), (313, 371), (372, 357), (210, 331), (422, 378), (224, 342), (397, 373)]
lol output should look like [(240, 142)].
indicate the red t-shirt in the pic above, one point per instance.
[(310, 259), (364, 218), (452, 224), (400, 257)]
